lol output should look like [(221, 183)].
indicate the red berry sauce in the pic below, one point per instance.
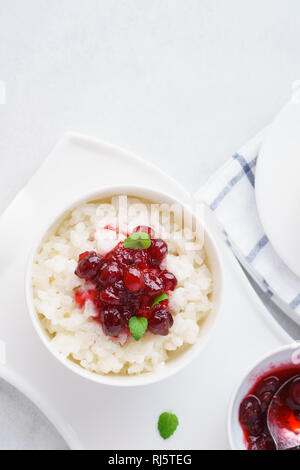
[(254, 407), (124, 283)]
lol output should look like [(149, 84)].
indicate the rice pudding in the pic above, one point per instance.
[(121, 295)]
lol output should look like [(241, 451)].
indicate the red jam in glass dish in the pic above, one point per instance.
[(254, 407), (125, 283)]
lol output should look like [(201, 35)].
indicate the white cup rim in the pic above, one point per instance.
[(119, 380)]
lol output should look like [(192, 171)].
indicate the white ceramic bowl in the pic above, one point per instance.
[(282, 356), (179, 361)]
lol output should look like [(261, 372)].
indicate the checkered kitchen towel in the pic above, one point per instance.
[(230, 195)]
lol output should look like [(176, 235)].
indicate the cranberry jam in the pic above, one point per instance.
[(124, 283), (254, 407)]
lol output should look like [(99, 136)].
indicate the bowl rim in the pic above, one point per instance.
[(122, 380), (264, 357)]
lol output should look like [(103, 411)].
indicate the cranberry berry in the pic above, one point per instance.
[(122, 256), (112, 321), (169, 280), (160, 322), (109, 274), (251, 415), (89, 266), (141, 259), (157, 251), (110, 296), (133, 279), (153, 284), (268, 385)]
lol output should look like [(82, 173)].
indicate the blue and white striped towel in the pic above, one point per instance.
[(230, 195)]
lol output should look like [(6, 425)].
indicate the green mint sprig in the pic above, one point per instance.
[(138, 241), (158, 299), (167, 424), (138, 327)]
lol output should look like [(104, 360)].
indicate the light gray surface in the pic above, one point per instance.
[(22, 425), (182, 83)]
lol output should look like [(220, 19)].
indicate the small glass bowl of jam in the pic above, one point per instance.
[(247, 420)]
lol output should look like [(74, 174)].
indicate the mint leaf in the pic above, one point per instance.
[(158, 299), (167, 424), (138, 327), (138, 241)]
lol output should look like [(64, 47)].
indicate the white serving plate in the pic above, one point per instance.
[(277, 185), (94, 416)]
